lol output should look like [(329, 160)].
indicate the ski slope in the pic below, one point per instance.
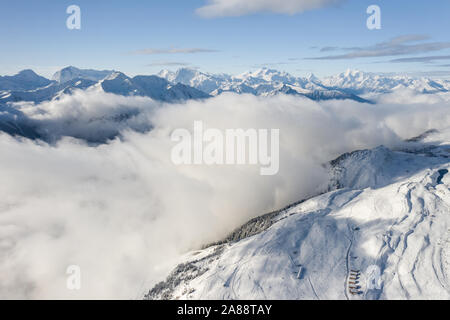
[(389, 213)]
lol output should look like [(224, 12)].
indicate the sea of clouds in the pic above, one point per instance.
[(100, 191)]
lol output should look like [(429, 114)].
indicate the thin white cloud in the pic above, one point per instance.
[(222, 8), (325, 49), (402, 45), (421, 59), (168, 64), (439, 74), (150, 51)]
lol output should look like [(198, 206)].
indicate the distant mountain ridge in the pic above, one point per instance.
[(264, 80), (185, 84)]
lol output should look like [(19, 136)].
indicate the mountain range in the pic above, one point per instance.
[(269, 81), (28, 86), (187, 83)]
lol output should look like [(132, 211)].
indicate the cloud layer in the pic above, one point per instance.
[(124, 212), (222, 8)]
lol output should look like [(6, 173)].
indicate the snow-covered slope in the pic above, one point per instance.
[(387, 214)]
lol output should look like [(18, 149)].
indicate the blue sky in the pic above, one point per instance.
[(143, 37)]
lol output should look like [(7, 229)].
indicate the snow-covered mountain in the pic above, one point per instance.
[(71, 73), (28, 86), (49, 92), (194, 78), (266, 81), (256, 82), (150, 86), (266, 75), (382, 231), (24, 80), (347, 85), (316, 95)]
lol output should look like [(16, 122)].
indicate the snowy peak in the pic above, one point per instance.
[(182, 75), (353, 74), (166, 74), (27, 75), (185, 75), (24, 80), (267, 75), (202, 81), (70, 73), (118, 83), (117, 76), (312, 78), (349, 79)]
